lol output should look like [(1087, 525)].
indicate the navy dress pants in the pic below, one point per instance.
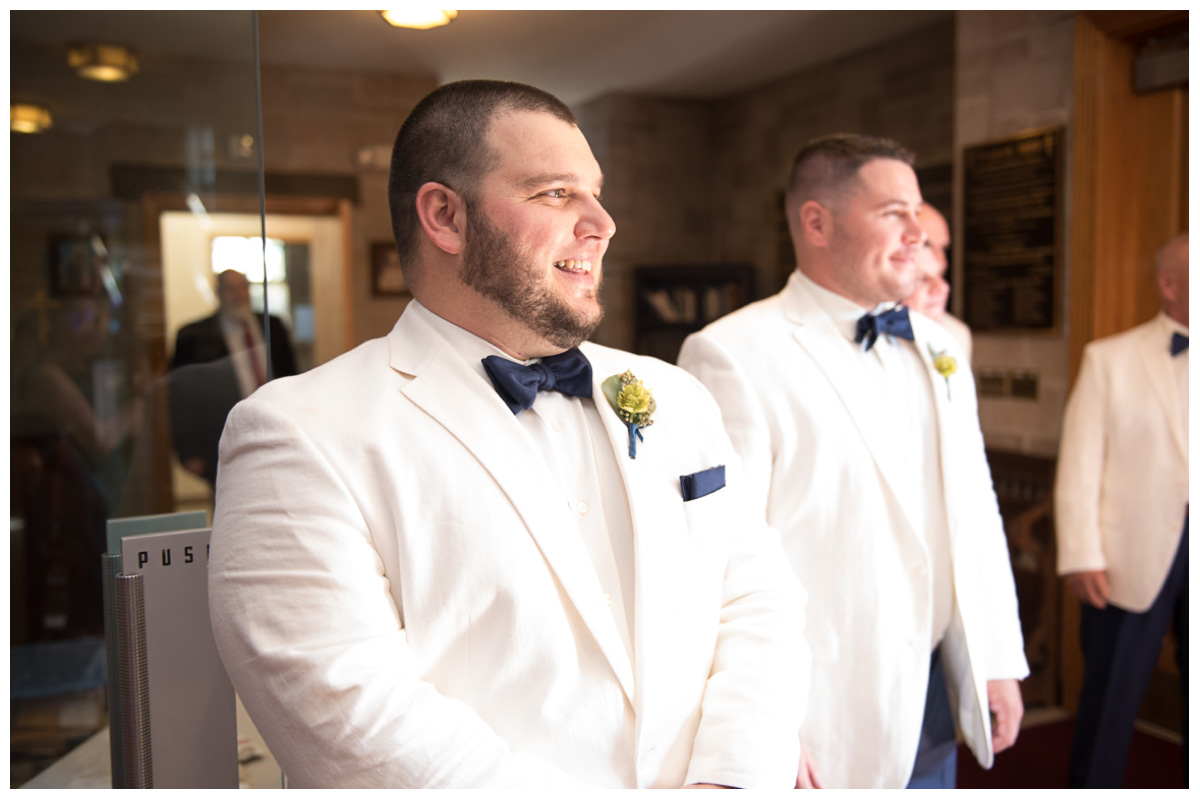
[(1120, 650), (936, 765)]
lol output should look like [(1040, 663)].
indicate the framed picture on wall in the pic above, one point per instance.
[(387, 278), (75, 264)]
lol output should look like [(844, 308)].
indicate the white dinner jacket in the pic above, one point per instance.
[(1122, 482), (399, 603), (802, 410)]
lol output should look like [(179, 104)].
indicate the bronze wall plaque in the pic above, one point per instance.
[(1012, 230)]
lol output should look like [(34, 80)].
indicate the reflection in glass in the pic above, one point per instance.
[(91, 432)]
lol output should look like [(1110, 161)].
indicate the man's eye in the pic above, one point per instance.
[(557, 193)]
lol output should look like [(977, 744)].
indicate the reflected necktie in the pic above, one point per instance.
[(1179, 343), (893, 322), (259, 376), (518, 384)]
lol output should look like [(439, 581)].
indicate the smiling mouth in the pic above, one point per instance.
[(576, 266)]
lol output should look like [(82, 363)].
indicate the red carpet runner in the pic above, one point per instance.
[(1039, 761)]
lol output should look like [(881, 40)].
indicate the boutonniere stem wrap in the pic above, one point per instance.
[(633, 403), (944, 364)]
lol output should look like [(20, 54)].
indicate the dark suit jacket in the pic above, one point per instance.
[(202, 341), (204, 387)]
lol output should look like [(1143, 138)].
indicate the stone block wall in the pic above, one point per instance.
[(702, 181), (344, 123), (902, 89), (656, 155), (1015, 73)]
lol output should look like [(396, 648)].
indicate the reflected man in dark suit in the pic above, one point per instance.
[(218, 361)]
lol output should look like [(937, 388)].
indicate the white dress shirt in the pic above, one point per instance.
[(569, 433)]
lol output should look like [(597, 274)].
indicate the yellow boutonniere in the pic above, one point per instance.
[(633, 403), (944, 364)]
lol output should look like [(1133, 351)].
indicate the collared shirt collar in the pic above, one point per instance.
[(843, 311), (1172, 326), (471, 347)]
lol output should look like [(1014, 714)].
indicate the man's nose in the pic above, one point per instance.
[(913, 231), (595, 221)]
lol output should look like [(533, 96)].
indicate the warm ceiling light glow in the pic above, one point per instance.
[(419, 17), (103, 62), (24, 118)]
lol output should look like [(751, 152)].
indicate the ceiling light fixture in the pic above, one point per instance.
[(103, 62), (419, 17), (26, 118)]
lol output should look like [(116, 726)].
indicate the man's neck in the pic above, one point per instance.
[(823, 279), (475, 315), (243, 314)]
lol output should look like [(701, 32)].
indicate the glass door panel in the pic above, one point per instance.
[(97, 415)]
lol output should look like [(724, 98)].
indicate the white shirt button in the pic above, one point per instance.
[(581, 507), (607, 599), (557, 425)]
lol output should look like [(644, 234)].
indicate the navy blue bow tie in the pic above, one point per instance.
[(518, 384), (1179, 343), (893, 322)]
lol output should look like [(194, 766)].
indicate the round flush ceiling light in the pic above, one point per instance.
[(26, 118), (103, 62), (419, 17)]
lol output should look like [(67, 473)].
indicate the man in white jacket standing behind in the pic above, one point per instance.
[(1121, 502), (933, 290), (460, 555), (859, 429)]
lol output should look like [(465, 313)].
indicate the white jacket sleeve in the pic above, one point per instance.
[(1077, 485)]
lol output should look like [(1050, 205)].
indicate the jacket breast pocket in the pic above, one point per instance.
[(701, 484), (706, 504)]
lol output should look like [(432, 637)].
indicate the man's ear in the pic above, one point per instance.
[(1166, 286), (443, 216), (816, 223)]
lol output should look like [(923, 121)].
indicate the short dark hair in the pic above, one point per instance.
[(444, 140), (827, 165)]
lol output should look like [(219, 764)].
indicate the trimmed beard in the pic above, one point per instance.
[(500, 271)]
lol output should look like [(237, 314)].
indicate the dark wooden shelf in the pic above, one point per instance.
[(674, 300)]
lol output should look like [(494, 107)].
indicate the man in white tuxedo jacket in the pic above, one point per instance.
[(1121, 503), (865, 450), (419, 580)]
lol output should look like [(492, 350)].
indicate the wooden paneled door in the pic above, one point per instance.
[(1130, 195)]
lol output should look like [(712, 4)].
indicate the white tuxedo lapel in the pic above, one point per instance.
[(648, 503), (656, 517), (662, 562), (1156, 361), (445, 388), (942, 397), (820, 338)]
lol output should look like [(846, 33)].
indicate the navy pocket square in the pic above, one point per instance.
[(702, 483)]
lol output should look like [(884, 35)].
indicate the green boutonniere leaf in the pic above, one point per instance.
[(633, 403)]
